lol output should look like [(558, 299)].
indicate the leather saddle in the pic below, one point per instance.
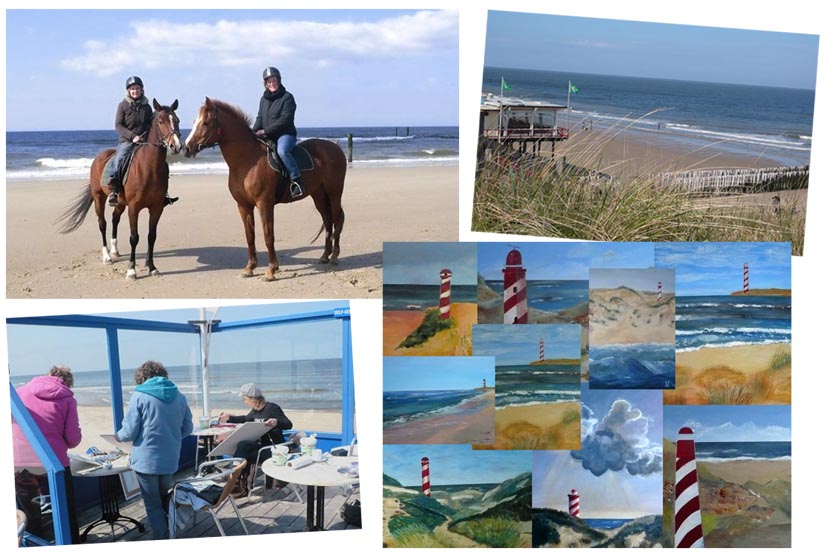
[(122, 172), (303, 158)]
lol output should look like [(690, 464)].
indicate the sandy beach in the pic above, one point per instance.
[(201, 247), (97, 420), (624, 316), (473, 422), (397, 325), (554, 426), (747, 374)]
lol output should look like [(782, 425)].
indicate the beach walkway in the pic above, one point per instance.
[(265, 512)]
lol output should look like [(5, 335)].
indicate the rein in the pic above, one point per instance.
[(164, 143)]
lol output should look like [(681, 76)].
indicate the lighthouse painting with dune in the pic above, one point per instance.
[(632, 328), (429, 298), (607, 493), (733, 322), (727, 479)]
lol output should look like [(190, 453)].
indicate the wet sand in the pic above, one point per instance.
[(471, 422)]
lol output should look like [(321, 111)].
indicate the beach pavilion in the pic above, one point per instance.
[(204, 333)]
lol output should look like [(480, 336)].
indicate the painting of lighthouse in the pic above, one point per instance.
[(727, 479), (631, 328), (605, 494), (430, 298), (733, 322)]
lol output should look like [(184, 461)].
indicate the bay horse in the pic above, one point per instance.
[(145, 188), (253, 184)]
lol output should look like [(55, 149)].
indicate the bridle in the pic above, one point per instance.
[(215, 136), (165, 140)]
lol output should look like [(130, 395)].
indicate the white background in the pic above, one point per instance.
[(808, 379)]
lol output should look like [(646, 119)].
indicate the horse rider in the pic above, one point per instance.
[(276, 112), (133, 119)]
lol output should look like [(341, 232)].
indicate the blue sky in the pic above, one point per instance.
[(421, 262), (65, 69), (34, 349), (519, 344), (426, 373), (563, 260), (639, 279), (453, 464), (654, 50), (729, 423), (709, 268), (613, 494)]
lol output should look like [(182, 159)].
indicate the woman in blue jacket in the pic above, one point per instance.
[(157, 421)]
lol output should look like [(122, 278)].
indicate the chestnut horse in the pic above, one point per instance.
[(253, 184), (145, 188)]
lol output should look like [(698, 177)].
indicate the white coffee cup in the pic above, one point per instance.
[(317, 455)]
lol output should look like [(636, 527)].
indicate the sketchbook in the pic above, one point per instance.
[(248, 431)]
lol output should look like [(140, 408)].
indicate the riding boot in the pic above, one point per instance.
[(296, 188), (169, 200), (114, 190)]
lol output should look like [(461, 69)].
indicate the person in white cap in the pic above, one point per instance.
[(261, 411)]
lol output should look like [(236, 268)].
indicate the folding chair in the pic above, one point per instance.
[(209, 491)]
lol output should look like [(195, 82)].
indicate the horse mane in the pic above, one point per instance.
[(233, 111)]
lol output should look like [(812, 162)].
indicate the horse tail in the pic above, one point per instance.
[(319, 233), (74, 216)]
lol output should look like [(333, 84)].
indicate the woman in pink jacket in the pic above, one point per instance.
[(51, 402)]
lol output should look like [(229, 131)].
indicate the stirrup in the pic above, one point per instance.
[(296, 189)]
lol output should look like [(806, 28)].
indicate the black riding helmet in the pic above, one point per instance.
[(134, 80), (271, 72)]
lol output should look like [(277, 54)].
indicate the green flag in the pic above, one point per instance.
[(573, 88), (505, 86)]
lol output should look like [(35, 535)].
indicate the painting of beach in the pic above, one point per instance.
[(744, 471), (606, 494), (430, 298), (453, 496), (590, 134), (537, 384), (438, 399), (632, 329), (733, 322)]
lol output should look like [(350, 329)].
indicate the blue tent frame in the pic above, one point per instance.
[(55, 470)]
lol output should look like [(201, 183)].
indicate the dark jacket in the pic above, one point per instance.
[(276, 114), (270, 410), (133, 118)]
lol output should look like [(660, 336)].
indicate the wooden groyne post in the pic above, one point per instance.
[(350, 147)]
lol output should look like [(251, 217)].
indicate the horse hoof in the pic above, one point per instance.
[(246, 274), (334, 261), (131, 274), (114, 254), (155, 273), (324, 260), (268, 277)]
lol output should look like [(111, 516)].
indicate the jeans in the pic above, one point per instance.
[(284, 147), (155, 493), (121, 152)]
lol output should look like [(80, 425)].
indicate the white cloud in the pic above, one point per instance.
[(740, 433), (152, 43)]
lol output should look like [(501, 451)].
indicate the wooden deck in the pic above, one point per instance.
[(264, 512)]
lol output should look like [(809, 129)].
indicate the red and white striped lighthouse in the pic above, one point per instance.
[(660, 290), (515, 305), (746, 278), (445, 294), (426, 476), (542, 350), (688, 530), (574, 503)]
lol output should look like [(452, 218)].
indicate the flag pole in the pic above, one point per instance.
[(500, 119), (568, 106)]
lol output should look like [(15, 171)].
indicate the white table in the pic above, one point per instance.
[(330, 473), (110, 491), (207, 437)]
